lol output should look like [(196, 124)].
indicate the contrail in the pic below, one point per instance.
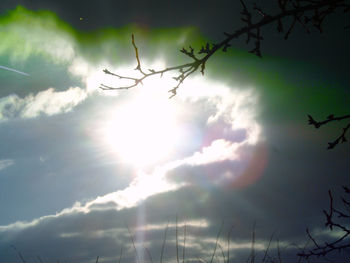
[(14, 70)]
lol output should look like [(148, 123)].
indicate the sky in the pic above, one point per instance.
[(124, 175)]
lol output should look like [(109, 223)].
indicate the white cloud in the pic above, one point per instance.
[(142, 187), (30, 34), (198, 223), (219, 150), (6, 163), (236, 106), (229, 106), (146, 184), (47, 102), (52, 102)]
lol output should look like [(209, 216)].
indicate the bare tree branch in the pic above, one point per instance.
[(342, 137), (304, 12), (307, 13), (339, 244)]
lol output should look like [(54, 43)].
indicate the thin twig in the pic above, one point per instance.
[(339, 244), (228, 244), (216, 242), (149, 254), (18, 253), (185, 70), (331, 118), (252, 254), (279, 251), (164, 240), (267, 249), (184, 246), (177, 242), (133, 243), (222, 253), (121, 253)]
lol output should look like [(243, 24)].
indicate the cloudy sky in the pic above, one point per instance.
[(87, 173)]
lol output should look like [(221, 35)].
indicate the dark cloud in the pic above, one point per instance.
[(283, 201), (81, 237)]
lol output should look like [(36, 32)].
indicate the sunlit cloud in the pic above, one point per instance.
[(47, 102), (144, 129), (235, 106), (133, 158), (27, 33), (218, 151), (51, 102), (146, 184), (199, 223), (142, 187), (155, 181)]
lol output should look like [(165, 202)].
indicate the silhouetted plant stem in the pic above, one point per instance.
[(252, 255), (267, 249), (18, 253), (164, 241), (184, 246), (149, 254), (177, 242), (331, 118), (228, 244), (133, 243), (222, 253), (216, 242), (121, 253)]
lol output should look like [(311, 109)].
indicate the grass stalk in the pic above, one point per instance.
[(149, 254), (177, 242), (252, 254), (133, 243), (228, 244), (184, 246), (267, 249), (18, 253), (222, 253), (121, 253), (216, 242), (164, 241), (279, 252)]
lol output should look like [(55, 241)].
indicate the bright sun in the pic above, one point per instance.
[(144, 130)]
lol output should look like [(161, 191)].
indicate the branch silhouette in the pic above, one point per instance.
[(307, 13), (342, 137), (342, 242)]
